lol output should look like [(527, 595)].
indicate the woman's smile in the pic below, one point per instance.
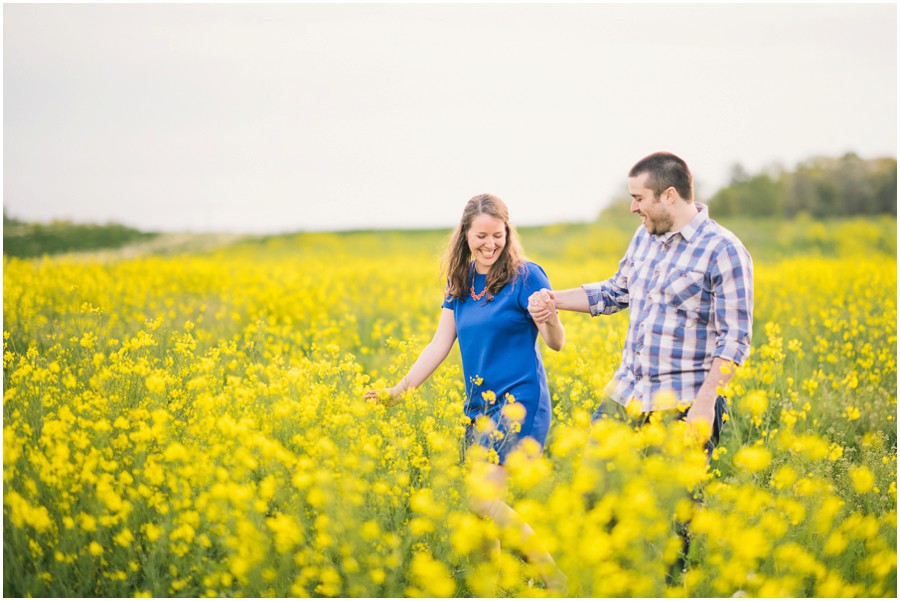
[(486, 238)]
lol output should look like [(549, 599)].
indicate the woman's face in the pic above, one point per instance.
[(486, 238)]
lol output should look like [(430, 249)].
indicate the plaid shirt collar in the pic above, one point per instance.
[(688, 230)]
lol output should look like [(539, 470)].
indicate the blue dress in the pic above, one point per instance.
[(502, 361)]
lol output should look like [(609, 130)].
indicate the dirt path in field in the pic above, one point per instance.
[(163, 244)]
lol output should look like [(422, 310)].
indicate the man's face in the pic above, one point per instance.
[(644, 203)]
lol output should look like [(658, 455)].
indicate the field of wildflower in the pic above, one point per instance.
[(195, 425)]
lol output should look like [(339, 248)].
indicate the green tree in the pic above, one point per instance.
[(761, 195), (820, 187)]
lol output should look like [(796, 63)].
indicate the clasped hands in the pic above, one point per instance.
[(542, 305)]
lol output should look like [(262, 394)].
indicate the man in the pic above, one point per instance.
[(689, 285)]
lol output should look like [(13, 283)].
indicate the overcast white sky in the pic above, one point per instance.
[(282, 117)]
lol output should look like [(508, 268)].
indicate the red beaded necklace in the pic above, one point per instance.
[(472, 288)]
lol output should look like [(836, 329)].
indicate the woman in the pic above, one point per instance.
[(486, 308)]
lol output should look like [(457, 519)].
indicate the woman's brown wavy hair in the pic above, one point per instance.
[(458, 260)]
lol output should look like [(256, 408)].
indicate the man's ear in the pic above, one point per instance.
[(669, 195)]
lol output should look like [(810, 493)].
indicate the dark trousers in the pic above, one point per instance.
[(609, 409)]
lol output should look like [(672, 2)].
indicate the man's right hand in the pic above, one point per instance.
[(542, 305)]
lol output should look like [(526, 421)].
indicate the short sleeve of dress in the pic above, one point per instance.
[(533, 280), (449, 301)]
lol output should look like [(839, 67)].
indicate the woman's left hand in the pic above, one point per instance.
[(542, 306)]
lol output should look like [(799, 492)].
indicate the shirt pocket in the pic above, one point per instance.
[(638, 279), (683, 291)]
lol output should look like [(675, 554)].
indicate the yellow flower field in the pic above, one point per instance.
[(194, 425)]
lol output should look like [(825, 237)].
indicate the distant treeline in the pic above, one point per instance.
[(22, 239), (819, 187)]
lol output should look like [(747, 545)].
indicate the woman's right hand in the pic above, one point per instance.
[(385, 396)]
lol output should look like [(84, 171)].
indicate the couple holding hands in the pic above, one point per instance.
[(687, 281)]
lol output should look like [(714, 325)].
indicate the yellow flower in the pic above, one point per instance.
[(87, 522), (812, 447), (514, 412), (152, 532), (419, 526), (330, 582), (431, 576), (784, 477), (795, 511), (755, 403), (422, 501), (835, 544), (851, 413), (484, 424), (176, 453), (370, 530), (863, 479), (829, 508), (155, 383), (88, 340), (287, 530), (753, 459), (22, 513), (836, 452), (465, 533), (482, 485), (124, 538)]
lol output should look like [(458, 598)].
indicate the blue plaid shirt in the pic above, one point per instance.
[(691, 299)]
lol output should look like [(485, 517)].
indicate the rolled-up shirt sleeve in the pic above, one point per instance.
[(732, 280), (610, 296)]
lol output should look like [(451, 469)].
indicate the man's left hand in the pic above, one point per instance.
[(701, 416)]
